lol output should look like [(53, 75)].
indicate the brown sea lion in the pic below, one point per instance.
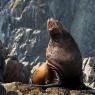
[(64, 62), (15, 71)]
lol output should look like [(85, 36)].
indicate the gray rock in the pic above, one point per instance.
[(24, 89), (89, 71)]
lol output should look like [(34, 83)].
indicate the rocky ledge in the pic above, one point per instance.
[(17, 88)]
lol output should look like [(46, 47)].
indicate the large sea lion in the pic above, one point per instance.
[(63, 64)]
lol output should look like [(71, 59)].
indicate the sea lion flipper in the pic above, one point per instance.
[(53, 76), (40, 74)]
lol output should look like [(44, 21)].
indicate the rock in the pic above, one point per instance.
[(16, 88), (21, 32), (26, 45), (89, 71), (21, 20)]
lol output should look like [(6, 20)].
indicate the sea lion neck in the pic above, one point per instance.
[(59, 38)]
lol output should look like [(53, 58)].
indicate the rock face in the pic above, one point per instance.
[(89, 71), (23, 24), (23, 29)]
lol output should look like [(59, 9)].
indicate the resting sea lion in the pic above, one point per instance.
[(63, 66)]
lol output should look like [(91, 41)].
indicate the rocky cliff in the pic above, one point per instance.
[(23, 25)]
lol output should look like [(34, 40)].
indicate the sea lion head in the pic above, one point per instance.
[(55, 29)]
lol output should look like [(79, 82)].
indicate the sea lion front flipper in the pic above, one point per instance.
[(53, 76)]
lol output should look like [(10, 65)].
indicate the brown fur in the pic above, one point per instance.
[(64, 61), (40, 74)]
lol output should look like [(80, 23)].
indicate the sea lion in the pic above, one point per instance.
[(15, 71), (63, 66), (2, 61)]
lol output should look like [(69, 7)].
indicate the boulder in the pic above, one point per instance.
[(89, 71)]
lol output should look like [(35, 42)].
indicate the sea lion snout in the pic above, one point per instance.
[(51, 24)]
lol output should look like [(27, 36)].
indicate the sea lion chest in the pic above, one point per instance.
[(57, 52), (63, 59)]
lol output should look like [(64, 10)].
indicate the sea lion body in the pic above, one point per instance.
[(64, 54), (63, 59)]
